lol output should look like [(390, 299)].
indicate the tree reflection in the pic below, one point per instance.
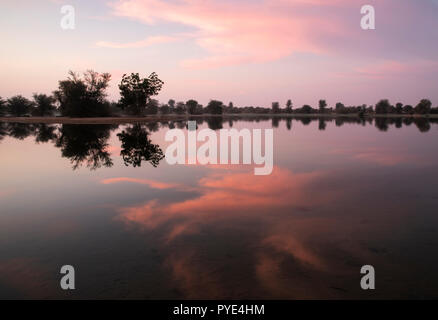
[(85, 144), (45, 133), (422, 124), (20, 131), (137, 147)]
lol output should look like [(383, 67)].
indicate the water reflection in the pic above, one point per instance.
[(85, 145), (337, 199), (138, 147), (88, 144)]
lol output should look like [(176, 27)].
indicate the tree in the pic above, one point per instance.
[(152, 106), (340, 108), (306, 109), (2, 107), (275, 107), (44, 105), (83, 97), (19, 106), (171, 104), (164, 109), (192, 106), (135, 92), (423, 107), (408, 109), (180, 108), (289, 106), (399, 108), (322, 106), (215, 107), (383, 106)]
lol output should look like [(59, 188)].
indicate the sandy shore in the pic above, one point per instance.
[(152, 118)]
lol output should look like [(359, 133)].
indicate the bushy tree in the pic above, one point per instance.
[(289, 106), (135, 92), (423, 107), (44, 105), (383, 106), (408, 109), (322, 106), (306, 109), (399, 108), (275, 107), (164, 109), (215, 107), (180, 108), (171, 104), (192, 106), (19, 106), (2, 107), (83, 97), (152, 106)]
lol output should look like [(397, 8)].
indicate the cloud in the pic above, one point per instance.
[(239, 32)]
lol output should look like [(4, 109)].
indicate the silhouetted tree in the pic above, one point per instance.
[(275, 107), (83, 97), (399, 108), (408, 109), (180, 108), (44, 105), (135, 92), (383, 106), (85, 144), (289, 106), (171, 104), (19, 106), (164, 109), (137, 147), (192, 106), (306, 109), (152, 106), (340, 108), (2, 107), (322, 105), (215, 107), (423, 107)]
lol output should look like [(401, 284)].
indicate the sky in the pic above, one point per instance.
[(250, 52)]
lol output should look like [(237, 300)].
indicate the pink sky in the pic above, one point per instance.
[(251, 52)]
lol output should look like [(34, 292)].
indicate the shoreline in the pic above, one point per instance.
[(153, 118)]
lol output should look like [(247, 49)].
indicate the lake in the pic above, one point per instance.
[(343, 193)]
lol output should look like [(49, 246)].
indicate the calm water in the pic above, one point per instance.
[(341, 195)]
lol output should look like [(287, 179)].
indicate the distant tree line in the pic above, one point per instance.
[(85, 96)]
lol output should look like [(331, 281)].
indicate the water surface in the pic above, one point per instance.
[(343, 194)]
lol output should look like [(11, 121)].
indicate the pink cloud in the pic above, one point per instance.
[(235, 33)]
